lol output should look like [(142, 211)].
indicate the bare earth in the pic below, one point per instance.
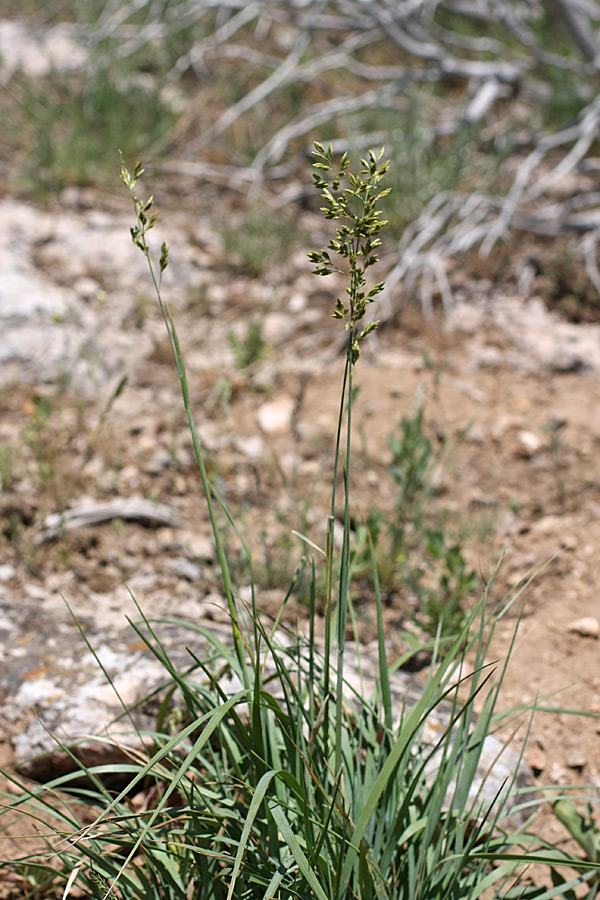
[(522, 485)]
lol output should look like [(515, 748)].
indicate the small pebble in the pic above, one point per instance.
[(585, 627), (160, 461), (278, 327), (529, 444), (86, 288), (7, 572), (276, 415), (558, 774), (253, 447), (536, 759), (183, 568), (200, 546), (576, 760)]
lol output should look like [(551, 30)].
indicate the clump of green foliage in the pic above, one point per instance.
[(418, 562), (259, 241), (69, 121), (250, 348)]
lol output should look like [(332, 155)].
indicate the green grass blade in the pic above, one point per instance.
[(384, 675), (274, 883), (430, 698), (295, 849), (257, 799)]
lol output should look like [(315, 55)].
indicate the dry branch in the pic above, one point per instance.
[(132, 508)]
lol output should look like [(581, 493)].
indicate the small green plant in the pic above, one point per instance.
[(249, 349), (68, 122), (259, 241), (293, 784), (140, 311), (46, 448), (424, 163), (416, 559), (52, 429), (7, 468), (412, 459), (445, 602), (556, 447), (32, 882)]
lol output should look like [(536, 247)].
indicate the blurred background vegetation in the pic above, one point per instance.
[(487, 108)]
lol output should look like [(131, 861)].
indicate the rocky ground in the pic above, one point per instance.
[(511, 390)]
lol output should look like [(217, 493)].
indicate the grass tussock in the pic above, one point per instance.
[(272, 770)]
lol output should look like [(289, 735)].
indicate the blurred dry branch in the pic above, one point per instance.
[(132, 508)]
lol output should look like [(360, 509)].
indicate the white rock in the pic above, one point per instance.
[(278, 326), (253, 447), (529, 444), (86, 287), (183, 568), (290, 462), (7, 572), (549, 525), (200, 546), (585, 627), (213, 607), (576, 760), (160, 461), (38, 54), (276, 415), (130, 476), (558, 774)]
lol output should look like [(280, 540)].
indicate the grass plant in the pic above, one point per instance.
[(267, 773), (260, 240), (60, 129), (417, 559), (58, 420), (7, 468), (251, 347)]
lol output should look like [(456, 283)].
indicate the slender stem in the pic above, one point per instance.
[(221, 555), (342, 605), (338, 438), (329, 567), (326, 666)]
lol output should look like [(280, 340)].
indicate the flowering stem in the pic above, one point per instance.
[(356, 242), (138, 234)]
